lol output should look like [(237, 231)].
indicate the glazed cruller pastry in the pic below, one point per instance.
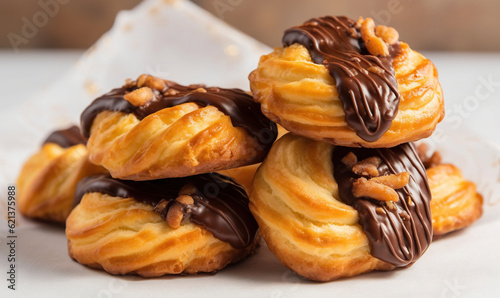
[(153, 128), (329, 212), (349, 83), (167, 226), (455, 204), (48, 179)]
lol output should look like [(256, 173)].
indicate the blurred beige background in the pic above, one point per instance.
[(448, 25)]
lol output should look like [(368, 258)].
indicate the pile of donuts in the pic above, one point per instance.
[(162, 178)]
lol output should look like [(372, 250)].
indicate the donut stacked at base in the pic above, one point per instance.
[(167, 226), (48, 179), (326, 207), (161, 209), (329, 212)]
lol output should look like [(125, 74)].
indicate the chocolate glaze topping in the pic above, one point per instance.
[(240, 106), (66, 137), (370, 99), (220, 204), (401, 235)]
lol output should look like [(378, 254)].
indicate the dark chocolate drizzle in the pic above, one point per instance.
[(370, 99), (240, 106), (66, 137), (393, 236), (220, 204)]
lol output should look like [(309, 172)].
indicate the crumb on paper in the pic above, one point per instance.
[(154, 11), (127, 27), (231, 50), (174, 3), (91, 87)]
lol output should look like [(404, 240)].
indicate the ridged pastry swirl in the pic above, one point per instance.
[(455, 202), (302, 96), (48, 179), (153, 128), (295, 199), (148, 228)]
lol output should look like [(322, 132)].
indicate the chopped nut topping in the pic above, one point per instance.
[(434, 160), (161, 208), (367, 167), (423, 151), (171, 92), (404, 215), (374, 44), (382, 188), (185, 200), (380, 210), (187, 189), (353, 32), (349, 160), (394, 181), (140, 97), (366, 188), (359, 22), (202, 90), (390, 205), (376, 69), (429, 162), (151, 82), (410, 202), (177, 211), (388, 34)]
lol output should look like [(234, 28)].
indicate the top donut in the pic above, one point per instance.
[(153, 128), (349, 83)]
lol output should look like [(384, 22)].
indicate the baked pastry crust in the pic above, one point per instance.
[(301, 96), (177, 141), (244, 175), (455, 202), (123, 236), (294, 198), (47, 181)]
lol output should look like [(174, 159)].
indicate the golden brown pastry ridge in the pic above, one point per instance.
[(183, 137), (48, 179), (128, 236), (295, 199), (455, 202), (244, 175), (302, 96)]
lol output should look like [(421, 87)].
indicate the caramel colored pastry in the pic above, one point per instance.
[(329, 212), (455, 204), (167, 226), (349, 83), (48, 179), (244, 175), (153, 128)]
